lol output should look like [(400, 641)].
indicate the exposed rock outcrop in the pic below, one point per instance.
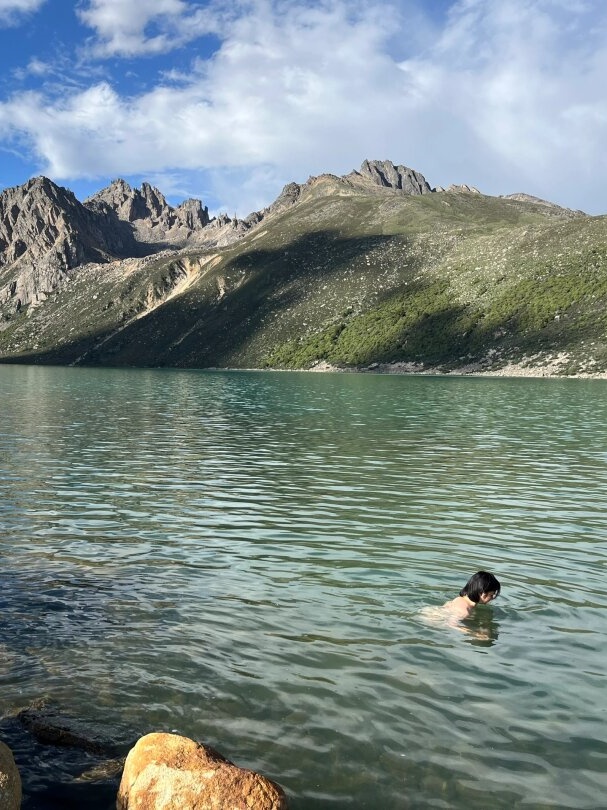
[(165, 771), (379, 175), (40, 216), (10, 780), (459, 187), (287, 197), (384, 173), (153, 220), (44, 233)]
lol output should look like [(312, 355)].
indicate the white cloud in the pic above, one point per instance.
[(7, 6), (11, 9), (277, 87), (528, 79), (509, 97), (35, 67), (134, 29)]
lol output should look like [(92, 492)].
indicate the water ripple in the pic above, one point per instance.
[(243, 557)]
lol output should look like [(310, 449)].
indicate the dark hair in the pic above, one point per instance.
[(481, 582)]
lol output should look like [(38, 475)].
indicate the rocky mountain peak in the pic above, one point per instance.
[(459, 187), (148, 210), (44, 233), (34, 217), (127, 203), (155, 202), (384, 173), (192, 215), (38, 194)]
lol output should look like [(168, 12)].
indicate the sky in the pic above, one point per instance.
[(229, 101)]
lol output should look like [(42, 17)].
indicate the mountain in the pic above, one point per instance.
[(45, 233), (375, 267)]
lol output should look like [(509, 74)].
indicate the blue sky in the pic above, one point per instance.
[(229, 101)]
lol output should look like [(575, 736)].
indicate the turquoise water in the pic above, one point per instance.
[(243, 557)]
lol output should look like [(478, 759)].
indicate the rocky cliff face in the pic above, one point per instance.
[(152, 219), (46, 233), (384, 173)]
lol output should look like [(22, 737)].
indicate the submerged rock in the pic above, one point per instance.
[(65, 762), (51, 727), (10, 780), (165, 771)]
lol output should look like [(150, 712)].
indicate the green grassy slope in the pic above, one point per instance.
[(350, 278)]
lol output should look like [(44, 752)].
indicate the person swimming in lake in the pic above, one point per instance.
[(480, 589)]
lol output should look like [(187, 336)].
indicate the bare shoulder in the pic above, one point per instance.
[(448, 614), (457, 607)]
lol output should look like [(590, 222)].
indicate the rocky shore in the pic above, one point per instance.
[(555, 367), (160, 771)]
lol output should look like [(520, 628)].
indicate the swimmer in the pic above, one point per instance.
[(480, 589)]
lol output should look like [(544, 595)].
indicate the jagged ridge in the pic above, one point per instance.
[(45, 232)]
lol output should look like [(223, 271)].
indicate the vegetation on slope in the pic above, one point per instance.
[(465, 312)]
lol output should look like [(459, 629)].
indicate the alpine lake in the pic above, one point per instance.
[(245, 558)]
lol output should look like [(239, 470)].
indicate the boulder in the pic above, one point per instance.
[(164, 771), (10, 781)]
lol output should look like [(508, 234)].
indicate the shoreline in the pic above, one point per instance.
[(552, 369)]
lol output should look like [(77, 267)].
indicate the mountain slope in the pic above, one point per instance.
[(351, 272)]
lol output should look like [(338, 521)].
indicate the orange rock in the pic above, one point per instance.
[(170, 772), (10, 781)]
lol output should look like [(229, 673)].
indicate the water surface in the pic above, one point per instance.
[(243, 557)]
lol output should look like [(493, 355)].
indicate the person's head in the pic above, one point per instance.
[(481, 587)]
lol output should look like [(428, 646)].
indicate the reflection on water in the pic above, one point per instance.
[(482, 627), (243, 558)]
